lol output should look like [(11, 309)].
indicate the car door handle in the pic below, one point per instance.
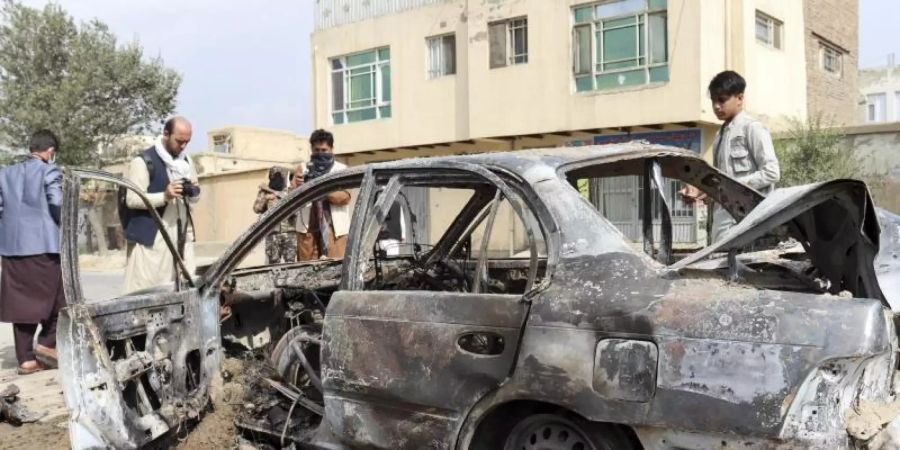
[(483, 343)]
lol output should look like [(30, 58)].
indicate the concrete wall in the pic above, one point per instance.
[(225, 209), (837, 22), (879, 148), (539, 96)]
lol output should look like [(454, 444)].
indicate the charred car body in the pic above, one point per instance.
[(581, 339)]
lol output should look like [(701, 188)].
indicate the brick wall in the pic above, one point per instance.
[(837, 22)]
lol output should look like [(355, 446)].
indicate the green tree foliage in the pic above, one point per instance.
[(814, 151), (77, 81)]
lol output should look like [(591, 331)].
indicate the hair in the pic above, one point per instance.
[(320, 136), (727, 84), (43, 140), (169, 126)]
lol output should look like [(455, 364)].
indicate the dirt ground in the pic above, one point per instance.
[(217, 429), (51, 435)]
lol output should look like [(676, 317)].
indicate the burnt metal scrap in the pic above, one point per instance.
[(583, 339), (12, 411)]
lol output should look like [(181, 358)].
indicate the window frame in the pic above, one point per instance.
[(836, 54), (774, 38), (510, 57), (382, 107), (438, 69), (644, 38), (872, 107)]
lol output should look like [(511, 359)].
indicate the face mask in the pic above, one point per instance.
[(323, 159), (276, 182)]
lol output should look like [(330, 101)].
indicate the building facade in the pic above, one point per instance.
[(397, 79), (880, 89)]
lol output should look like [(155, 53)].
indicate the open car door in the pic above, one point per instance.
[(133, 365)]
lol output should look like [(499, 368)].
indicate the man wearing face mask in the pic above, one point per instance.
[(281, 243), (31, 287), (324, 224), (166, 174)]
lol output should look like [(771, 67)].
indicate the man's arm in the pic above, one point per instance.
[(53, 188), (137, 174), (762, 151)]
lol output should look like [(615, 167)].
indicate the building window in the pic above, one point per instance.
[(620, 43), (509, 42), (876, 108), (222, 143), (361, 86), (441, 56), (768, 30), (897, 106), (831, 59)]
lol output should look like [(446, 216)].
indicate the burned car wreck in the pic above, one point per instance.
[(581, 340)]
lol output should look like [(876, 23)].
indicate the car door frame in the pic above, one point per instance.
[(509, 321)]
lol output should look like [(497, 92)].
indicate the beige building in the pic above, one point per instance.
[(244, 147), (437, 77), (880, 90)]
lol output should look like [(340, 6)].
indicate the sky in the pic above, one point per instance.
[(242, 62), (248, 63)]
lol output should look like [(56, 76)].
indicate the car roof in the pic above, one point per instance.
[(552, 157)]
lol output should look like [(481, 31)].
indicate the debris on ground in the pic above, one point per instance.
[(53, 435), (12, 411)]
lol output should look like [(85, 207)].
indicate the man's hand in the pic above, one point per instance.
[(690, 194), (173, 190)]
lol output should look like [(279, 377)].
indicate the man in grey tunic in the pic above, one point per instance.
[(743, 146)]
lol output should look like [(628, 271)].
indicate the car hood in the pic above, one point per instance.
[(838, 226)]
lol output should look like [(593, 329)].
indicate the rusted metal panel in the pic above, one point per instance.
[(625, 369), (332, 13)]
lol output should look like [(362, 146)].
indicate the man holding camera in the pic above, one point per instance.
[(324, 224), (166, 174)]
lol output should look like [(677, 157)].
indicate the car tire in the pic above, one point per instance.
[(565, 432), (285, 362)]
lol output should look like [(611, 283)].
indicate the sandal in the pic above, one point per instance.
[(29, 370), (46, 357)]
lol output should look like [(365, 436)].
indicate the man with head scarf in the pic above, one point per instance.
[(281, 243), (166, 174)]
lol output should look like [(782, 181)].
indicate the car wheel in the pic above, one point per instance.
[(564, 432), (287, 364)]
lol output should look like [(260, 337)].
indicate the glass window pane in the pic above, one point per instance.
[(361, 87), (520, 41), (762, 30), (620, 43), (659, 74), (337, 63), (497, 37), (384, 54), (583, 49), (620, 65), (658, 39), (386, 83), (360, 59), (362, 114), (621, 79), (776, 35), (620, 7), (385, 112), (337, 91), (584, 83), (658, 4), (449, 55), (615, 23), (584, 14), (338, 118)]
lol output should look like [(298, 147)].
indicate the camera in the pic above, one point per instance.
[(314, 171), (189, 189)]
